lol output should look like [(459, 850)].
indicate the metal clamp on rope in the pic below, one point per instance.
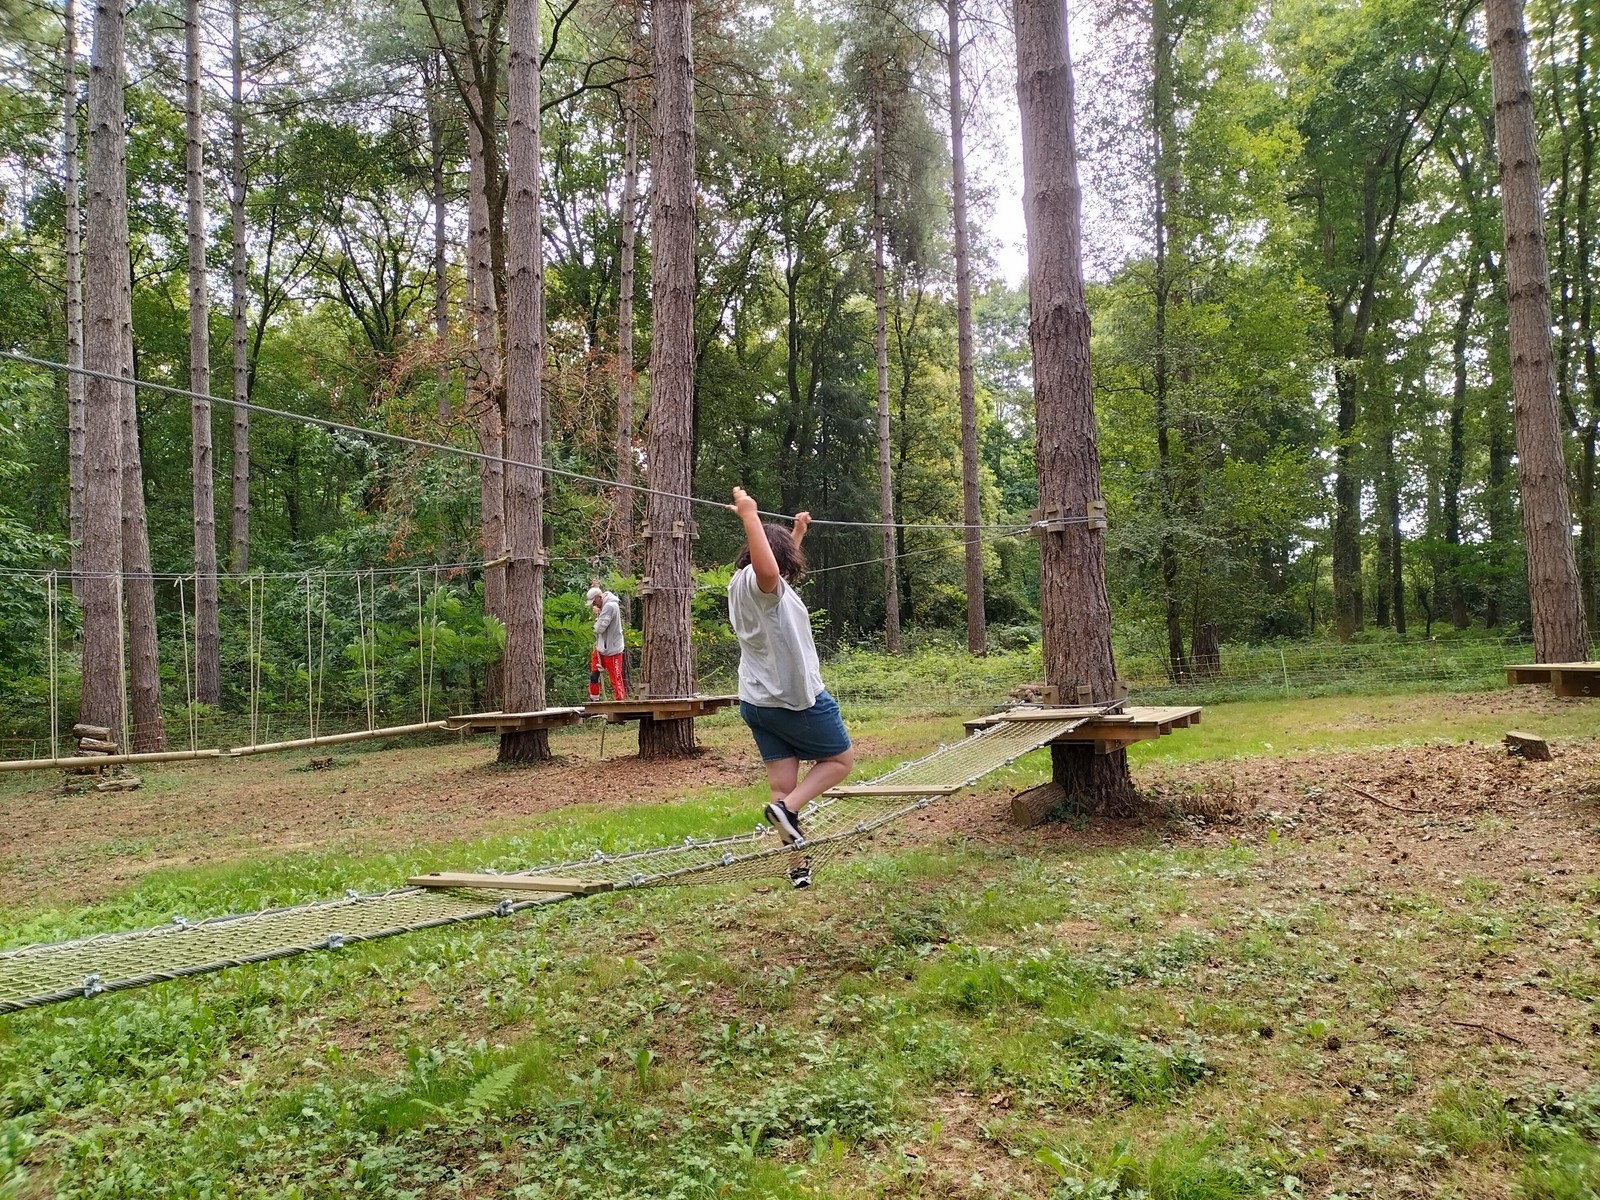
[(92, 986), (351, 894), (335, 941), (182, 922), (727, 858), (505, 908)]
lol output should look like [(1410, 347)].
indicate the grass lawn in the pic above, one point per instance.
[(1344, 954)]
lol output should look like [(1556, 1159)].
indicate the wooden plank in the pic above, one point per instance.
[(489, 722), (336, 739), (895, 789), (509, 883), (1572, 683)]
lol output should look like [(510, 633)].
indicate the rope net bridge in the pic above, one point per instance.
[(44, 974)]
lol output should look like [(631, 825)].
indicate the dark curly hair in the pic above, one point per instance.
[(791, 561)]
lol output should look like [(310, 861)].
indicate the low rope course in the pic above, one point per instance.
[(37, 975)]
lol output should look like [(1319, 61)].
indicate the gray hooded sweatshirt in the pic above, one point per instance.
[(608, 625)]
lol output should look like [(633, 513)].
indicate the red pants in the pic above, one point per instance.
[(613, 666)]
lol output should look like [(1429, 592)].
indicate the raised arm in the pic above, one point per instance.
[(766, 566), (802, 522)]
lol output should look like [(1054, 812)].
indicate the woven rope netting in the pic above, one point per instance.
[(44, 974)]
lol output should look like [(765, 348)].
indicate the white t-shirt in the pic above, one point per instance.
[(778, 665)]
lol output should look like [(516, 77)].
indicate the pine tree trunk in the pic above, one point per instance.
[(207, 646), (668, 651), (891, 585), (239, 529), (1455, 462), (1074, 609), (622, 537), (108, 347), (977, 633), (144, 657), (1164, 172), (484, 388), (1554, 593), (73, 249), (1394, 564), (433, 80), (524, 656)]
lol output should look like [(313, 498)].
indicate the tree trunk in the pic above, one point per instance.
[(524, 656), (977, 634), (622, 536), (1075, 611), (484, 391), (1393, 565), (891, 585), (108, 330), (239, 530), (207, 668), (434, 83), (668, 652), (1164, 171), (1455, 462), (144, 658), (1554, 593), (1348, 616), (74, 316)]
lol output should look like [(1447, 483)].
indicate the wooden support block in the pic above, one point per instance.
[(1035, 806), (509, 883), (1527, 745), (100, 732), (895, 789), (99, 745), (1573, 682), (321, 762), (125, 783)]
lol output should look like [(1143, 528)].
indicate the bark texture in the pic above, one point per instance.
[(73, 250), (1555, 595), (432, 78), (144, 658), (891, 585), (207, 670), (668, 650), (977, 633), (239, 527), (524, 614), (622, 535), (1074, 609), (108, 329)]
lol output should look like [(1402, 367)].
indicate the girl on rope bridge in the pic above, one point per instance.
[(607, 642), (781, 695)]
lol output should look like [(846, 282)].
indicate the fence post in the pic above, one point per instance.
[(1284, 663)]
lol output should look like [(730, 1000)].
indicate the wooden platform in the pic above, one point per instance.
[(1564, 679), (509, 883), (522, 722), (1106, 730), (675, 708)]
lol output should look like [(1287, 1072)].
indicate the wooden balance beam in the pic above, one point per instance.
[(508, 883), (1571, 679)]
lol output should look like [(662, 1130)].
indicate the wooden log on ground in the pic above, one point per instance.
[(99, 732), (124, 783), (1035, 806), (322, 762), (98, 745), (1527, 745)]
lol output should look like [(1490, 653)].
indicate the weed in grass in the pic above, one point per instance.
[(854, 1104), (1182, 1167), (1132, 1069), (1566, 1169), (1470, 1119)]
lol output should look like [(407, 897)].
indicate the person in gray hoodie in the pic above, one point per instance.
[(607, 642)]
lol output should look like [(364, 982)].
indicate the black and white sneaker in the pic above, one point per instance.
[(800, 876), (785, 822)]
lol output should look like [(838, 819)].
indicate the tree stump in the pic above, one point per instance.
[(1529, 746), (1036, 805)]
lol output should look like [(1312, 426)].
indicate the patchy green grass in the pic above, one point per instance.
[(1132, 1013)]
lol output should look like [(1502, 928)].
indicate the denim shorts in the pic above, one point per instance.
[(812, 734)]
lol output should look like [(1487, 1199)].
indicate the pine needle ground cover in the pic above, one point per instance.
[(1311, 968)]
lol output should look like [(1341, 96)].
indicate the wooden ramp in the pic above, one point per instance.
[(667, 708), (1107, 731), (1570, 679), (519, 722)]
